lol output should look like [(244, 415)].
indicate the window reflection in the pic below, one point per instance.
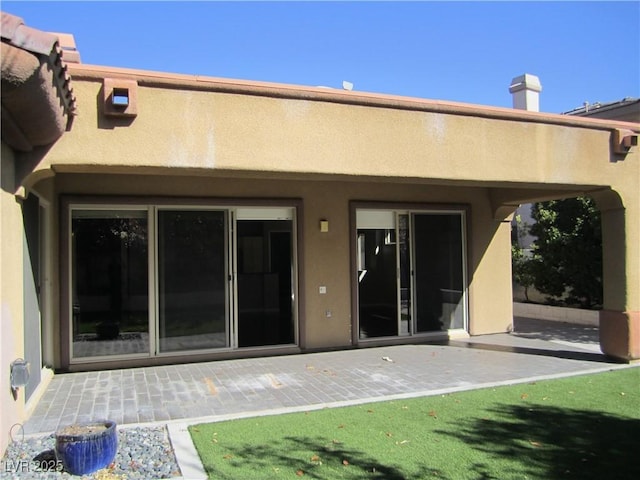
[(110, 283), (265, 282), (439, 272), (192, 280)]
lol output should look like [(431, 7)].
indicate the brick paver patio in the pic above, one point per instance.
[(187, 391)]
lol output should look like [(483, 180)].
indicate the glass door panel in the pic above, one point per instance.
[(192, 280), (264, 279), (377, 285), (438, 268), (110, 298), (378, 292)]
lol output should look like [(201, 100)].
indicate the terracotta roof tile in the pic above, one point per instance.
[(16, 33)]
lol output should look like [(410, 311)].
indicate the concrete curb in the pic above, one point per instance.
[(185, 452)]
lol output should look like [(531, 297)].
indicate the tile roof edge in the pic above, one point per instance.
[(602, 106), (54, 82), (16, 33), (350, 97)]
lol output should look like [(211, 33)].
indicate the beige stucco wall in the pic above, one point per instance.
[(326, 255), (208, 130), (11, 307)]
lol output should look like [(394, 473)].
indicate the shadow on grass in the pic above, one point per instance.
[(551, 442), (330, 460)]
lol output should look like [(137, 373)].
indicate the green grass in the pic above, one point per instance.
[(582, 427)]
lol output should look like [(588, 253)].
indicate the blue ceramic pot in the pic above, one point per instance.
[(85, 448)]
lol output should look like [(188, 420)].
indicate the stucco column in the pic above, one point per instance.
[(489, 271), (620, 317)]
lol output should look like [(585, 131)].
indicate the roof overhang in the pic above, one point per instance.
[(347, 97)]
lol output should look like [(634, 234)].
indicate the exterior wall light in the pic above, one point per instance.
[(19, 374), (324, 226), (120, 97)]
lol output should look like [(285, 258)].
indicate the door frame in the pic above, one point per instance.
[(33, 290), (296, 265), (410, 209), (152, 204), (43, 372)]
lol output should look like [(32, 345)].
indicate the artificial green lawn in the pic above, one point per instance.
[(582, 427)]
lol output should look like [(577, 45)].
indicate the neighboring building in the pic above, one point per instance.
[(626, 110), (185, 218)]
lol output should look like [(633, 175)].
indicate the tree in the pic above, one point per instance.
[(521, 262), (567, 255)]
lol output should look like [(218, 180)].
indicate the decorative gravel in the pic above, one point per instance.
[(144, 453)]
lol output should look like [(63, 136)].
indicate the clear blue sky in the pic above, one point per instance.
[(458, 51)]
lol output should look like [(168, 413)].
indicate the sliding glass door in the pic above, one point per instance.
[(159, 280), (377, 274), (439, 272), (410, 272), (192, 280)]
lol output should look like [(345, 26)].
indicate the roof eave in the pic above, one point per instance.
[(349, 97)]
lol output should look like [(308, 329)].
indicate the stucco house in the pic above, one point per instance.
[(151, 218), (627, 109)]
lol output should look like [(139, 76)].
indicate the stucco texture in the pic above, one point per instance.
[(11, 309), (223, 131)]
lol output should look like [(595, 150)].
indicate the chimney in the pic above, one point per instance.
[(526, 92)]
